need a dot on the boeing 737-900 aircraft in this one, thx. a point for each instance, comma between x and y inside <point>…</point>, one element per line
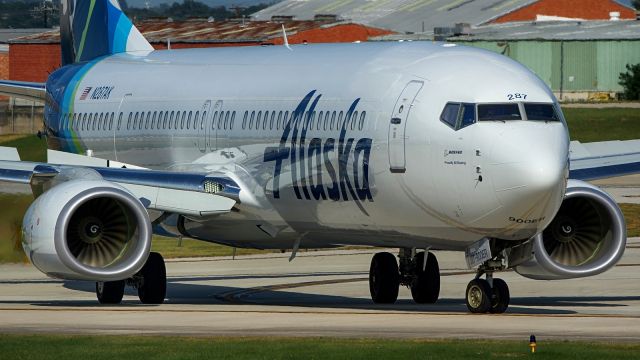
<point>416,146</point>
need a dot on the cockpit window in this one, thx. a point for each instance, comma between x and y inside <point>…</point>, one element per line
<point>458,115</point>
<point>468,115</point>
<point>500,112</point>
<point>541,112</point>
<point>450,114</point>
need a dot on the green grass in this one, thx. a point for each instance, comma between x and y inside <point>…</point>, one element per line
<point>11,213</point>
<point>632,216</point>
<point>29,147</point>
<point>155,347</point>
<point>170,248</point>
<point>590,125</point>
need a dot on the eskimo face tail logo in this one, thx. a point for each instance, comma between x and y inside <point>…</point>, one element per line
<point>347,183</point>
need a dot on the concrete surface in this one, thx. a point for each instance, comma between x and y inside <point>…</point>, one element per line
<point>325,294</point>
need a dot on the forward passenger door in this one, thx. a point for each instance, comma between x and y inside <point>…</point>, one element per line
<point>398,126</point>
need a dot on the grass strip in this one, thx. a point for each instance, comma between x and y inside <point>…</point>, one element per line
<point>591,125</point>
<point>163,347</point>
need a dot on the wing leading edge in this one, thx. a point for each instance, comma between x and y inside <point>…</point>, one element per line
<point>600,160</point>
<point>186,193</point>
<point>23,89</point>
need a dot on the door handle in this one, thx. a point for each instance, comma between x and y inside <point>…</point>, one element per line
<point>396,121</point>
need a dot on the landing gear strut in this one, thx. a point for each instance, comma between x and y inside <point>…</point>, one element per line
<point>151,283</point>
<point>421,275</point>
<point>490,295</point>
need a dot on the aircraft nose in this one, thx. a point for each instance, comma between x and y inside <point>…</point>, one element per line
<point>529,170</point>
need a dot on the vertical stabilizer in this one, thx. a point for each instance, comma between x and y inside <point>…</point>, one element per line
<point>93,28</point>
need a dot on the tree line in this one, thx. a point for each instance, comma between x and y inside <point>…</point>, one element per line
<point>40,14</point>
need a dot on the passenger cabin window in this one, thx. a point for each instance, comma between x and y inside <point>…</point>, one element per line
<point>498,112</point>
<point>541,112</point>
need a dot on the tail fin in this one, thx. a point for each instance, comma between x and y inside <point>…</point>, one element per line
<point>94,28</point>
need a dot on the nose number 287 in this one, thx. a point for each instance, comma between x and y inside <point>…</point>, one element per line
<point>517,96</point>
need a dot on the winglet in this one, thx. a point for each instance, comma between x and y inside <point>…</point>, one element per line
<point>284,37</point>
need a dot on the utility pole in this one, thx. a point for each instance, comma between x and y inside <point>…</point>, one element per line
<point>238,10</point>
<point>46,9</point>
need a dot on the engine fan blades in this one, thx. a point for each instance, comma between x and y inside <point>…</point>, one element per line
<point>99,231</point>
<point>575,235</point>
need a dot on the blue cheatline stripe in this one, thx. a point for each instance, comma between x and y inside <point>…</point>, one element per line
<point>605,171</point>
<point>119,28</point>
<point>73,142</point>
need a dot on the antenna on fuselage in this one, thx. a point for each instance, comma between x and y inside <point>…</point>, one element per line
<point>284,38</point>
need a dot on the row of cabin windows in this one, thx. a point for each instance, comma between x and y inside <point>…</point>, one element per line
<point>223,120</point>
<point>329,120</point>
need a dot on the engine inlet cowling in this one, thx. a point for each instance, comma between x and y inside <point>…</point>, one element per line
<point>586,237</point>
<point>87,230</point>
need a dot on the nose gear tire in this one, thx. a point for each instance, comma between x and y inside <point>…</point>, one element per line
<point>478,296</point>
<point>500,297</point>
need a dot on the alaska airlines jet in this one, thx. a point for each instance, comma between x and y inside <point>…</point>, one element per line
<point>416,146</point>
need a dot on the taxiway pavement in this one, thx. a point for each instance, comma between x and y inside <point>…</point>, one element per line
<point>325,293</point>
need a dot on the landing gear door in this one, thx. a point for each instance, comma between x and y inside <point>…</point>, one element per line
<point>203,136</point>
<point>398,126</point>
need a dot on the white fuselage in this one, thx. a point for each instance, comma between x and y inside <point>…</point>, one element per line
<point>392,175</point>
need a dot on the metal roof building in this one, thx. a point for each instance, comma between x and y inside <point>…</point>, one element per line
<point>578,59</point>
<point>33,57</point>
<point>417,16</point>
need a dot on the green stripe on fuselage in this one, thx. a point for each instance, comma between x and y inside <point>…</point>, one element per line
<point>75,139</point>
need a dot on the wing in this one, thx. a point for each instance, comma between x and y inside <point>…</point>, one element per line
<point>185,193</point>
<point>599,160</point>
<point>22,89</point>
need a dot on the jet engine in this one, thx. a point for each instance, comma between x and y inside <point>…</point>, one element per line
<point>87,230</point>
<point>587,237</point>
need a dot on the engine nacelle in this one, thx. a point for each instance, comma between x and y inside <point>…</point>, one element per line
<point>87,230</point>
<point>587,237</point>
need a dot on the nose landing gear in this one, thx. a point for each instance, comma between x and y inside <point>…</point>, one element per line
<point>490,295</point>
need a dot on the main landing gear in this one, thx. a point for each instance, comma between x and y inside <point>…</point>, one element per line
<point>490,295</point>
<point>151,282</point>
<point>420,274</point>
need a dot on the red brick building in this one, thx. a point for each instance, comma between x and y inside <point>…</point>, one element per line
<point>4,63</point>
<point>583,9</point>
<point>33,57</point>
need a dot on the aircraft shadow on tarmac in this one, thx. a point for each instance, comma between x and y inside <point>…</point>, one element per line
<point>185,291</point>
